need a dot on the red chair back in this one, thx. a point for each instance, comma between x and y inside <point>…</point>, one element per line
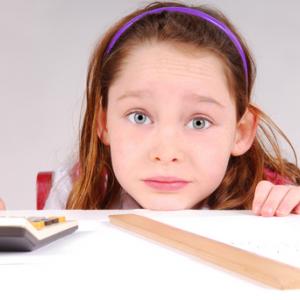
<point>43,186</point>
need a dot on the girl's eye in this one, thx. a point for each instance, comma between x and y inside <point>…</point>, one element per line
<point>200,123</point>
<point>138,117</point>
<point>197,123</point>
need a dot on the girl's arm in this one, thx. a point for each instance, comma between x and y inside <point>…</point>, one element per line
<point>276,200</point>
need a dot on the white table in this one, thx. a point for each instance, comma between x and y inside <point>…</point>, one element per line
<point>102,261</point>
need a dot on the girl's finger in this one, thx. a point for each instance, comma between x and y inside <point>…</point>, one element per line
<point>290,201</point>
<point>2,205</point>
<point>262,191</point>
<point>274,199</point>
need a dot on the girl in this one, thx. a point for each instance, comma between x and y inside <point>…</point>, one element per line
<point>169,122</point>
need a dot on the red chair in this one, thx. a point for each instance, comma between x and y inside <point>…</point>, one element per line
<point>44,182</point>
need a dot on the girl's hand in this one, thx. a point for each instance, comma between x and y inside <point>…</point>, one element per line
<point>2,205</point>
<point>276,200</point>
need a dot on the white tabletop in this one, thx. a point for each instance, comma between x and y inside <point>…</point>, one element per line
<point>102,261</point>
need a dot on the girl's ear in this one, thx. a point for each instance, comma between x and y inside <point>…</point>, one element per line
<point>102,131</point>
<point>245,133</point>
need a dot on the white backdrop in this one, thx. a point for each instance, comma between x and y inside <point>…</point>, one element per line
<point>44,52</point>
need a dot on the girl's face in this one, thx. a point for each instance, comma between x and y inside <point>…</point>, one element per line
<point>170,113</point>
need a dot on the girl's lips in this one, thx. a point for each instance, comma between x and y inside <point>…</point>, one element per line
<point>166,186</point>
<point>166,179</point>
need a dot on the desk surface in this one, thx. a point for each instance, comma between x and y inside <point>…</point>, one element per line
<point>102,261</point>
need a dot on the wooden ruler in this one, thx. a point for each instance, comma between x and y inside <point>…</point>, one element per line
<point>262,269</point>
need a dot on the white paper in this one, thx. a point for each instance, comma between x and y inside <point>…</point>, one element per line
<point>277,238</point>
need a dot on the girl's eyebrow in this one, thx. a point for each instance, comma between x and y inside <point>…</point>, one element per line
<point>144,94</point>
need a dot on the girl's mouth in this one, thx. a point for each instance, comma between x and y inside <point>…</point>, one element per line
<point>166,185</point>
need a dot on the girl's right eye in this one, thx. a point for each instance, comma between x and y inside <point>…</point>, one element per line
<point>138,117</point>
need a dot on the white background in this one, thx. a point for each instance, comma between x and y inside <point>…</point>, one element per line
<point>44,52</point>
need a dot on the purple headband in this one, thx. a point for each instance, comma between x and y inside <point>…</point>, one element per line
<point>190,11</point>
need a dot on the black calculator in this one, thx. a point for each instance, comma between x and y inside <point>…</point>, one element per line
<point>29,233</point>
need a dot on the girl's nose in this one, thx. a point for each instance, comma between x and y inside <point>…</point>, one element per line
<point>166,147</point>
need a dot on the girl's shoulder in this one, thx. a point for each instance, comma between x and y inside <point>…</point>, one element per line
<point>61,187</point>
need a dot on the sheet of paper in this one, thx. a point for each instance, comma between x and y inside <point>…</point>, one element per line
<point>275,237</point>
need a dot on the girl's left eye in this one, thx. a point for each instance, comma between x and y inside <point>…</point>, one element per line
<point>199,122</point>
<point>138,117</point>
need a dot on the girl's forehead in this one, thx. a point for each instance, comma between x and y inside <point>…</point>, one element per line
<point>165,69</point>
<point>160,57</point>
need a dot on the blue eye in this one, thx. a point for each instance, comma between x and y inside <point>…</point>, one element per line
<point>200,123</point>
<point>137,117</point>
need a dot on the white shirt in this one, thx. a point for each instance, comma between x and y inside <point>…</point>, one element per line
<point>61,188</point>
